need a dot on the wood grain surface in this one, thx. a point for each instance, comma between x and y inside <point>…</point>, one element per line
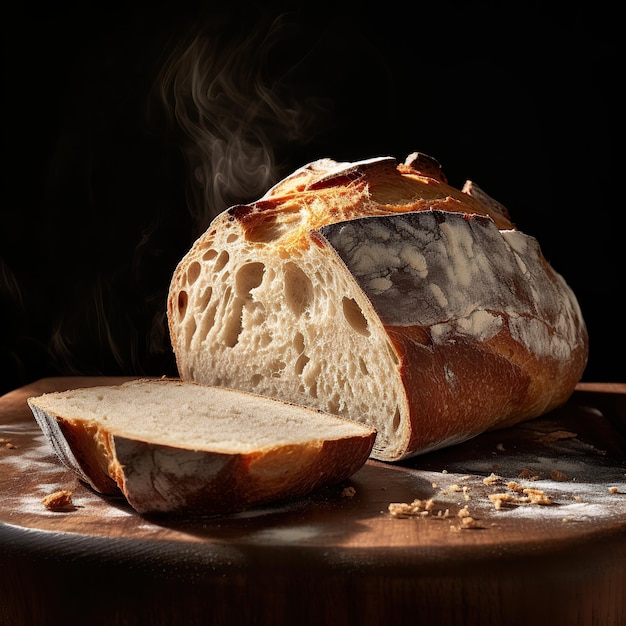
<point>338,556</point>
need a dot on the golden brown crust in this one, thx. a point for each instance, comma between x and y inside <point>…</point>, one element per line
<point>90,449</point>
<point>378,188</point>
<point>501,385</point>
<point>218,484</point>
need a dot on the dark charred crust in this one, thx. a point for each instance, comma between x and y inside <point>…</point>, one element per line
<point>240,212</point>
<point>251,217</point>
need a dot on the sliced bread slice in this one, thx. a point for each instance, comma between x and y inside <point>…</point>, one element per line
<point>184,448</point>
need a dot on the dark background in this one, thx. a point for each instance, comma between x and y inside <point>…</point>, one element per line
<point>103,141</point>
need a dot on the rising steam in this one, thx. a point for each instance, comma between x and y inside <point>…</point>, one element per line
<point>163,129</point>
<point>232,112</point>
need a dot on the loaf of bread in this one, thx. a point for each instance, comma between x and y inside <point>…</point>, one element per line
<point>376,291</point>
<point>187,449</point>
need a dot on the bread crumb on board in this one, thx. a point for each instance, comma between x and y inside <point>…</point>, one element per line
<point>7,444</point>
<point>491,479</point>
<point>530,496</point>
<point>528,474</point>
<point>425,508</point>
<point>557,435</point>
<point>467,521</point>
<point>559,476</point>
<point>417,508</point>
<point>59,501</point>
<point>515,494</point>
<point>348,492</point>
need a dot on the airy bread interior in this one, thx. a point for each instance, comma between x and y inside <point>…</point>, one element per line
<point>252,306</point>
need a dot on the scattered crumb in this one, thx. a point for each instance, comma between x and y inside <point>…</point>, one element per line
<point>464,512</point>
<point>559,476</point>
<point>454,488</point>
<point>528,474</point>
<point>500,498</point>
<point>468,522</point>
<point>491,479</point>
<point>8,443</point>
<point>536,496</point>
<point>417,508</point>
<point>500,447</point>
<point>423,508</point>
<point>530,496</point>
<point>558,434</point>
<point>403,509</point>
<point>348,492</point>
<point>506,493</point>
<point>59,501</point>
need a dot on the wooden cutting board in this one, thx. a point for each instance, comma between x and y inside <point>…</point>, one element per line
<point>476,549</point>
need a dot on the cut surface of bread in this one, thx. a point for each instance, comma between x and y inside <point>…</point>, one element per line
<point>376,291</point>
<point>184,448</point>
